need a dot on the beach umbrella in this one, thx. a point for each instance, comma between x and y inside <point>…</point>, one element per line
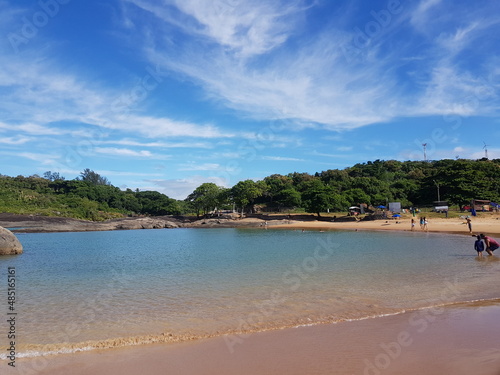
<point>380,206</point>
<point>396,215</point>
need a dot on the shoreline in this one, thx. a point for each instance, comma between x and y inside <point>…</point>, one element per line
<point>38,224</point>
<point>459,339</point>
<point>165,338</point>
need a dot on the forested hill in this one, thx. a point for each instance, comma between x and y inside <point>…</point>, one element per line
<point>413,183</point>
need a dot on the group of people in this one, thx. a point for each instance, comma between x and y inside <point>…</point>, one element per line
<point>423,223</point>
<point>485,243</point>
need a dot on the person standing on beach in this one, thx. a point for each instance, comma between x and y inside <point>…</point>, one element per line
<point>425,223</point>
<point>412,224</point>
<point>491,244</point>
<point>469,224</point>
<point>422,223</point>
<point>479,246</point>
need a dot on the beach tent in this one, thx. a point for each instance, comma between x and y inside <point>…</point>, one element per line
<point>380,206</point>
<point>396,215</point>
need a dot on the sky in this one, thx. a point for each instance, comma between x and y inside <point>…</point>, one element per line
<point>168,94</point>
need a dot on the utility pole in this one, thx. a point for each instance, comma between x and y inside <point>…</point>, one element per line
<point>437,185</point>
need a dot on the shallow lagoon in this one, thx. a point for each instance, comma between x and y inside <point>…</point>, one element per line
<point>75,287</point>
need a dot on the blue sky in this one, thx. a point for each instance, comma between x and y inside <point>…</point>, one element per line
<point>167,94</point>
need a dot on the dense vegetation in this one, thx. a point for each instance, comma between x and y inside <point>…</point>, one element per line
<point>412,183</point>
<point>90,196</point>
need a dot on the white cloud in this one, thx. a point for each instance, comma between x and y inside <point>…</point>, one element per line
<point>43,159</point>
<point>181,188</point>
<point>127,174</point>
<point>245,28</point>
<point>19,140</point>
<point>345,148</point>
<point>124,152</point>
<point>314,83</point>
<point>131,142</point>
<point>280,158</point>
<point>154,127</point>
<point>200,167</point>
<point>419,17</point>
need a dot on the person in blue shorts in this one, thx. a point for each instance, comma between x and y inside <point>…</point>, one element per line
<point>479,246</point>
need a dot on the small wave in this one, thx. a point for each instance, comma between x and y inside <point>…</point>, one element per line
<point>38,350</point>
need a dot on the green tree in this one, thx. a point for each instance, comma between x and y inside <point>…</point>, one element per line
<point>319,197</point>
<point>53,176</point>
<point>245,192</point>
<point>93,178</point>
<point>206,197</point>
<point>288,198</point>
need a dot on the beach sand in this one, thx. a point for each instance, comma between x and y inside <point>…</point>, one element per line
<point>459,339</point>
<point>489,225</point>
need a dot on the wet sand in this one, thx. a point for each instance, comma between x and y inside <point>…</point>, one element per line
<point>460,339</point>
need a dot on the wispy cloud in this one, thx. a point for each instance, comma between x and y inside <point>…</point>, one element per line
<point>15,140</point>
<point>420,15</point>
<point>281,158</point>
<point>130,142</point>
<point>313,82</point>
<point>246,28</point>
<point>181,188</point>
<point>125,152</point>
<point>200,167</point>
<point>44,159</point>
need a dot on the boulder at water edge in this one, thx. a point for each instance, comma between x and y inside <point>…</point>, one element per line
<point>9,244</point>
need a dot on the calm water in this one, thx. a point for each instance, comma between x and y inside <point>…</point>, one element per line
<point>77,290</point>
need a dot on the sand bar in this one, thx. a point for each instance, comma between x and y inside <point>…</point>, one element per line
<point>459,339</point>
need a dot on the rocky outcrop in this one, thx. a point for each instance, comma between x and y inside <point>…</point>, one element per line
<point>9,244</point>
<point>146,223</point>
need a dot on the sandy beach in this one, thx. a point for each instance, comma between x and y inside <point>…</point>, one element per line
<point>488,225</point>
<point>460,339</point>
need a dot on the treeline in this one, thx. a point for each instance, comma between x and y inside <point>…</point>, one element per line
<point>413,183</point>
<point>90,197</point>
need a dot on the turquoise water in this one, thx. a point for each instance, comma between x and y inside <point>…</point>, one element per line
<point>73,288</point>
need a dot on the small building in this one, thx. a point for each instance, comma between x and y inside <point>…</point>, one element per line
<point>480,205</point>
<point>395,207</point>
<point>440,206</point>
